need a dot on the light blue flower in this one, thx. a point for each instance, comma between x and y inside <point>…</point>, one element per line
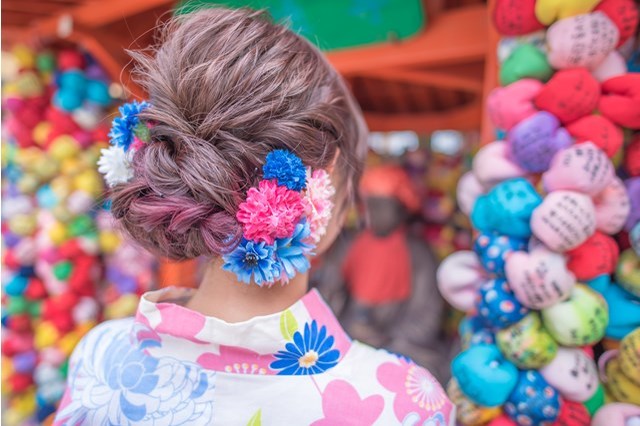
<point>116,381</point>
<point>286,168</point>
<point>310,353</point>
<point>122,127</point>
<point>292,252</point>
<point>253,260</point>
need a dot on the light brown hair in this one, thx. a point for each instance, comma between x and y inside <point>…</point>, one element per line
<point>226,88</point>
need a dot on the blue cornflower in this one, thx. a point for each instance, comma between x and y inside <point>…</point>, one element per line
<point>122,127</point>
<point>310,353</point>
<point>286,168</point>
<point>291,251</point>
<point>253,260</point>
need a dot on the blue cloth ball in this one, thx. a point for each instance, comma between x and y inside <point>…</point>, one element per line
<point>47,199</point>
<point>533,401</point>
<point>497,306</point>
<point>624,312</point>
<point>73,80</point>
<point>507,208</point>
<point>484,375</point>
<point>98,92</point>
<point>473,332</point>
<point>68,100</point>
<point>493,249</point>
<point>16,285</point>
<point>599,283</point>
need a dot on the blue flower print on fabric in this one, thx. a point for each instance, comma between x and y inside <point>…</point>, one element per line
<point>311,352</point>
<point>286,168</point>
<point>115,382</point>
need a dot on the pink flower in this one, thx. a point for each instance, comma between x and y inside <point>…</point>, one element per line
<point>318,204</point>
<point>269,212</point>
<point>236,360</point>
<point>340,401</point>
<point>418,394</point>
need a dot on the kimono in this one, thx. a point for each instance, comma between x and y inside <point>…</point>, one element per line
<point>173,366</point>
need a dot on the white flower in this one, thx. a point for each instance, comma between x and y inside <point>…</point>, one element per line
<point>115,165</point>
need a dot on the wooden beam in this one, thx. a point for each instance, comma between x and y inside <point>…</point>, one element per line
<point>490,77</point>
<point>466,117</point>
<point>428,78</point>
<point>455,36</point>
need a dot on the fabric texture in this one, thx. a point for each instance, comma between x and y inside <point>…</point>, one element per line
<point>173,366</point>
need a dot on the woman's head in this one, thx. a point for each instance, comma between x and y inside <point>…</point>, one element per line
<point>226,88</point>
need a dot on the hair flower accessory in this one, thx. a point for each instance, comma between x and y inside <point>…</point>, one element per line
<point>269,212</point>
<point>286,168</point>
<point>124,127</point>
<point>253,260</point>
<point>318,203</point>
<point>293,251</point>
<point>115,165</point>
<point>282,221</point>
<point>127,135</point>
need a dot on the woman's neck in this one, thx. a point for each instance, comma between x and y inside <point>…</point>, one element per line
<point>220,295</point>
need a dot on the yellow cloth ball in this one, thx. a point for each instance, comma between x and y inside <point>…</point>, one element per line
<point>24,404</point>
<point>46,335</point>
<point>58,233</point>
<point>91,155</point>
<point>62,213</point>
<point>29,85</point>
<point>23,224</point>
<point>13,417</point>
<point>41,132</point>
<point>620,387</point>
<point>28,184</point>
<point>90,182</point>
<point>109,242</point>
<point>124,306</point>
<point>549,11</point>
<point>25,57</point>
<point>72,166</point>
<point>46,168</point>
<point>61,186</point>
<point>64,147</point>
<point>27,157</point>
<point>69,342</point>
<point>630,355</point>
<point>7,369</point>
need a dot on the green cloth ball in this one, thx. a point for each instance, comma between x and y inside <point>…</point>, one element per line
<point>62,270</point>
<point>526,61</point>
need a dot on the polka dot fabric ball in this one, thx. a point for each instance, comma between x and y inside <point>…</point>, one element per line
<point>493,250</point>
<point>497,306</point>
<point>533,401</point>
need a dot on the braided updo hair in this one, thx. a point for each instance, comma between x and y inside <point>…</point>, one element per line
<point>226,87</point>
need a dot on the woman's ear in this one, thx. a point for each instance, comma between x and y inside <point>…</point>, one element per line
<point>332,166</point>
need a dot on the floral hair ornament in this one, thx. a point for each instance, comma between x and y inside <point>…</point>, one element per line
<point>127,135</point>
<point>282,221</point>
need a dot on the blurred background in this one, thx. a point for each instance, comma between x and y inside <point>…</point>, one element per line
<point>420,69</point>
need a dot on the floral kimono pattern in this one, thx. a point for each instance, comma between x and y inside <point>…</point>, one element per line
<point>173,366</point>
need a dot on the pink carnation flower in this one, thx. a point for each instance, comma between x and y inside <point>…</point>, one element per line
<point>270,211</point>
<point>318,204</point>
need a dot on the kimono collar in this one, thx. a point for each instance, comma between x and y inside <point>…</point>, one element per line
<point>306,338</point>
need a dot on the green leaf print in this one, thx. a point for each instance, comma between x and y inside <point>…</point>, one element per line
<point>288,325</point>
<point>256,420</point>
